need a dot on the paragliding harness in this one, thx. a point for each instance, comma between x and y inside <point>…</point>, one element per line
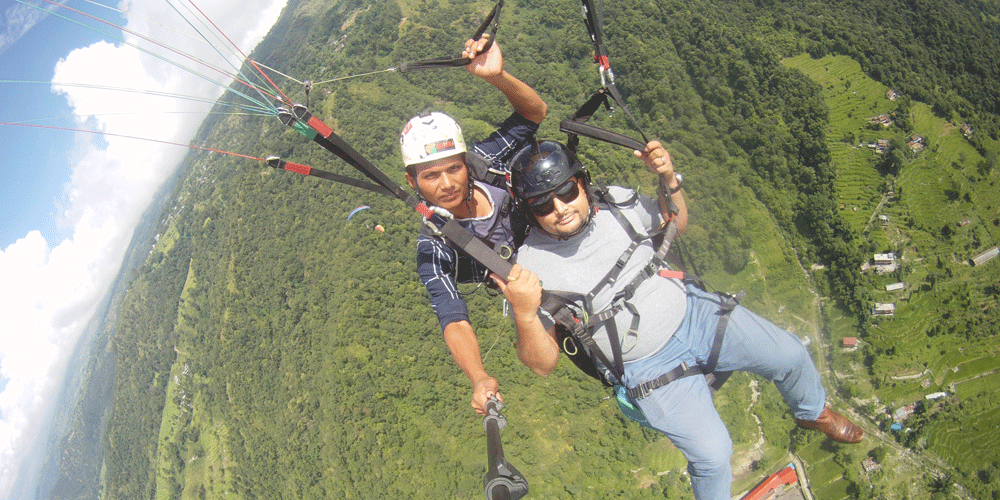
<point>575,325</point>
<point>300,119</point>
<point>512,224</point>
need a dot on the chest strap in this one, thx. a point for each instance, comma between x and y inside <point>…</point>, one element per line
<point>621,299</point>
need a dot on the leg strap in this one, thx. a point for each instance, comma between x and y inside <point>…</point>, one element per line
<point>716,379</point>
<point>683,370</point>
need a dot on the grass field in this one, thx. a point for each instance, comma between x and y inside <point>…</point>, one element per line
<point>190,463</point>
<point>853,99</point>
<point>826,478</point>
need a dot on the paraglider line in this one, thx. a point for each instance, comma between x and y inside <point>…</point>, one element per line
<point>260,110</point>
<point>188,56</point>
<point>213,45</point>
<point>287,100</point>
<point>96,132</point>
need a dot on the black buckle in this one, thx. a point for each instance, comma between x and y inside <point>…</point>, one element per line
<point>642,390</point>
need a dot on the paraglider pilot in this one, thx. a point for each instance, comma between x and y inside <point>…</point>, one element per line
<point>438,167</point>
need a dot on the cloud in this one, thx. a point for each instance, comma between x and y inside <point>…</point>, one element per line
<point>49,292</point>
<point>19,19</point>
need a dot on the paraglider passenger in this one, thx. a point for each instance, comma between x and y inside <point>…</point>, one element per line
<point>652,330</point>
<point>440,168</point>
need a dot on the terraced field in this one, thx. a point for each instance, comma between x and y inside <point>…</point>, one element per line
<point>826,478</point>
<point>853,99</point>
<point>945,210</point>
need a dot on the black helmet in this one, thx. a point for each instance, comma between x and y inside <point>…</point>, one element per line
<point>542,167</point>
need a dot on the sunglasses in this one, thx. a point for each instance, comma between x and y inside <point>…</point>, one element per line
<point>545,204</point>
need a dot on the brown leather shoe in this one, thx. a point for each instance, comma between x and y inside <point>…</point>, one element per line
<point>836,426</point>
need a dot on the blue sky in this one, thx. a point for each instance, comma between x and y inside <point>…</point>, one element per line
<point>33,177</point>
<point>70,201</point>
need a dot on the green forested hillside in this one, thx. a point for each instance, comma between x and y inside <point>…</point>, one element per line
<point>270,349</point>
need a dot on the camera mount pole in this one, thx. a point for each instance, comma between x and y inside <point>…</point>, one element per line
<point>502,481</point>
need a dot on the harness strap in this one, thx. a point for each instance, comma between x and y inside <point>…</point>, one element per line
<point>715,379</point>
<point>556,304</point>
<point>612,276</point>
<point>683,370</point>
<point>726,308</point>
<point>621,299</point>
<point>305,123</point>
<point>454,62</point>
<point>594,20</point>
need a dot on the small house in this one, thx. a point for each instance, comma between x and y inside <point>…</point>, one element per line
<point>850,342</point>
<point>895,287</point>
<point>869,465</point>
<point>885,262</point>
<point>882,259</point>
<point>985,256</point>
<point>904,412</point>
<point>883,309</point>
<point>936,395</point>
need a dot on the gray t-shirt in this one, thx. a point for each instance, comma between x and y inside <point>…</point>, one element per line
<point>576,265</point>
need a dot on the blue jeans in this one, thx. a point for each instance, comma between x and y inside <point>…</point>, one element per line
<point>684,410</point>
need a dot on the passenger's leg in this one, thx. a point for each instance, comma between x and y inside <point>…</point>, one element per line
<point>756,345</point>
<point>684,411</point>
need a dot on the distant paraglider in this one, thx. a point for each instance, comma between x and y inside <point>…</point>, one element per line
<point>378,227</point>
<point>356,210</point>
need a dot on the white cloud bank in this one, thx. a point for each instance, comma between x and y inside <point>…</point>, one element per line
<point>48,293</point>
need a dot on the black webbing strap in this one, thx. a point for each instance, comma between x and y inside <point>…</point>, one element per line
<point>593,17</point>
<point>454,62</point>
<point>475,247</point>
<point>578,126</point>
<point>729,302</point>
<point>683,370</point>
<point>561,308</point>
<point>278,163</point>
<point>715,378</point>
<point>310,126</point>
<point>651,267</point>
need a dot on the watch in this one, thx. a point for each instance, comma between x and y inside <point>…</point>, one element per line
<point>667,190</point>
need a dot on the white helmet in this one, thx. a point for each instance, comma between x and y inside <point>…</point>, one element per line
<point>430,136</point>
